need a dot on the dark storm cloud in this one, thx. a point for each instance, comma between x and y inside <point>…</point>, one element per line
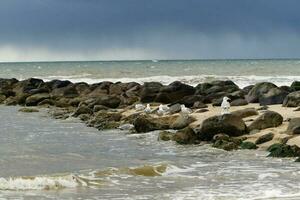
<point>110,29</point>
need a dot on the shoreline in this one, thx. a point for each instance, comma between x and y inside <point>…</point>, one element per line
<point>262,115</point>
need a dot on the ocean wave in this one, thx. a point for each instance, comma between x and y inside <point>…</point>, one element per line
<point>39,183</point>
<point>241,81</point>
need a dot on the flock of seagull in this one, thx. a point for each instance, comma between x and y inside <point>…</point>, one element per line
<point>164,109</point>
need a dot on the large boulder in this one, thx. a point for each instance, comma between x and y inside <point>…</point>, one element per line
<point>223,141</point>
<point>266,93</point>
<point>292,99</point>
<point>264,138</point>
<point>189,101</point>
<point>267,120</point>
<point>174,92</point>
<point>105,120</point>
<point>247,112</point>
<point>82,110</point>
<point>145,123</point>
<point>228,124</point>
<point>68,91</point>
<point>149,91</point>
<point>295,86</point>
<point>214,91</point>
<point>54,84</point>
<point>182,122</point>
<point>227,86</point>
<point>273,96</point>
<point>186,136</point>
<point>23,89</point>
<point>6,86</point>
<point>283,150</point>
<point>109,101</point>
<point>239,102</point>
<point>294,126</point>
<point>33,100</point>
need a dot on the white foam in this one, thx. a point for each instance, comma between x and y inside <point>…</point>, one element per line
<point>241,81</point>
<point>39,183</point>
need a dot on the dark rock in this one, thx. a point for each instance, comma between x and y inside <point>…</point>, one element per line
<point>292,99</point>
<point>149,91</point>
<point>216,86</point>
<point>185,136</point>
<point>247,89</point>
<point>228,124</point>
<point>267,120</point>
<point>46,102</point>
<point>295,86</point>
<point>106,120</point>
<point>189,101</point>
<point>97,108</point>
<point>182,122</point>
<point>199,104</point>
<point>223,141</point>
<point>108,101</point>
<point>283,150</point>
<point>248,145</point>
<point>258,91</point>
<point>66,92</point>
<point>247,112</point>
<point>176,91</point>
<point>54,84</point>
<point>294,126</point>
<point>2,98</point>
<point>84,117</point>
<point>265,138</point>
<point>62,102</point>
<point>165,135</point>
<point>239,102</point>
<point>145,123</point>
<point>33,100</point>
<point>10,101</point>
<point>273,96</point>
<point>82,110</point>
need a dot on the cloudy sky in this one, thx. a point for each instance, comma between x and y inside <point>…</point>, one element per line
<point>35,30</point>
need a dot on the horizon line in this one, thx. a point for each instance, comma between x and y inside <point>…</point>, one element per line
<point>139,60</point>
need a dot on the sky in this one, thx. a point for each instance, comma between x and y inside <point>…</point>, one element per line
<point>57,30</point>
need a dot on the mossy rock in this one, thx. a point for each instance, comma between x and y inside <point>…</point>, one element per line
<point>248,145</point>
<point>165,135</point>
<point>28,110</point>
<point>283,150</point>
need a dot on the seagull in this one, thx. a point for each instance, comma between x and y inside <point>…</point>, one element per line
<point>225,106</point>
<point>148,109</point>
<point>185,110</point>
<point>162,109</point>
<point>139,107</point>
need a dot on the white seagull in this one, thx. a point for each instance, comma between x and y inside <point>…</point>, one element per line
<point>225,106</point>
<point>148,109</point>
<point>162,109</point>
<point>185,110</point>
<point>139,107</point>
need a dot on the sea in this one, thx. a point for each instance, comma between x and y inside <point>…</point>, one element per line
<point>46,158</point>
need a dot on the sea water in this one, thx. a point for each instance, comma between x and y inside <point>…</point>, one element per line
<point>45,158</point>
<point>193,72</point>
